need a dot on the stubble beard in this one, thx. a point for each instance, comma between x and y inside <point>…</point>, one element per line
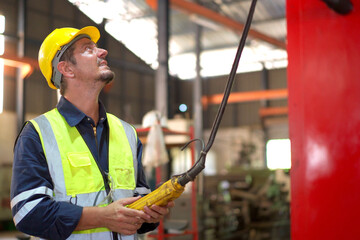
<point>107,76</point>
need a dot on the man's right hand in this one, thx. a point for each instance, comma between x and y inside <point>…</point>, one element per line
<point>115,216</point>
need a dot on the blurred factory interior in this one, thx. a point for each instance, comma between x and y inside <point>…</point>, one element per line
<point>297,82</point>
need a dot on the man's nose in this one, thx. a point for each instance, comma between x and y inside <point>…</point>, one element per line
<point>102,53</point>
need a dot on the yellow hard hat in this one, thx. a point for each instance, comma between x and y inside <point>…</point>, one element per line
<point>55,45</point>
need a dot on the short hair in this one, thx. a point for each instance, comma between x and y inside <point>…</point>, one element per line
<point>68,56</point>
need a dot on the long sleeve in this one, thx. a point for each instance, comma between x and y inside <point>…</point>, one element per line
<point>33,208</point>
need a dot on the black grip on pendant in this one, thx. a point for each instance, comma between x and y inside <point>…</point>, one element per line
<point>193,172</point>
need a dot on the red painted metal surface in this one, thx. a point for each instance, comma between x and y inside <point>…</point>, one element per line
<point>324,120</point>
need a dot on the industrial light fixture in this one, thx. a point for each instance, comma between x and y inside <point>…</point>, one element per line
<point>183,107</point>
<point>2,50</point>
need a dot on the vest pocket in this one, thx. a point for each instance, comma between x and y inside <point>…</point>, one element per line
<point>81,179</point>
<point>125,178</point>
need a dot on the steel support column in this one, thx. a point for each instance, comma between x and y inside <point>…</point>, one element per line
<point>265,85</point>
<point>162,74</point>
<point>198,118</point>
<point>197,91</point>
<point>20,112</point>
<point>162,79</point>
<point>264,104</point>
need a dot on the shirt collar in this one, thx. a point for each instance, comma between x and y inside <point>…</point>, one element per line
<point>73,115</point>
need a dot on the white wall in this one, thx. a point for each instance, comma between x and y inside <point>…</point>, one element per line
<point>228,144</point>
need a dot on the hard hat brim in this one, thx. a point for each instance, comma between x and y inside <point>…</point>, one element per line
<point>93,33</point>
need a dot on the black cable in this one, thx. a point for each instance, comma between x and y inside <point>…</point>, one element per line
<point>200,163</point>
<point>231,78</point>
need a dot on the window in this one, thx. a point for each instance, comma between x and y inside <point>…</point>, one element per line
<point>278,154</point>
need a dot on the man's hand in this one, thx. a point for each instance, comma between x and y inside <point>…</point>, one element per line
<point>156,213</point>
<point>124,220</point>
<point>118,218</point>
<point>115,216</point>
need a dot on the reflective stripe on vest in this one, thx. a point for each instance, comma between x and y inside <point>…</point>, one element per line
<point>74,171</point>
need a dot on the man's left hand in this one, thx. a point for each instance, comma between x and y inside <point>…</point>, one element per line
<point>157,213</point>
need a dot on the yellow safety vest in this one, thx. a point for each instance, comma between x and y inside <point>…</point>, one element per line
<point>74,171</point>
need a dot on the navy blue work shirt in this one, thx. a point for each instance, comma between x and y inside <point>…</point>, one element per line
<point>50,219</point>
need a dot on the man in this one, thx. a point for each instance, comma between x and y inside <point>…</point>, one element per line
<point>76,167</point>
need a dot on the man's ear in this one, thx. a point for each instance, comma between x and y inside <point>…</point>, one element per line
<point>65,69</point>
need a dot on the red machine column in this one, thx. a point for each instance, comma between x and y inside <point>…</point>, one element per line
<point>324,120</point>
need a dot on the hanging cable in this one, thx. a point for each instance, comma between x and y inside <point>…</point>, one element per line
<point>200,163</point>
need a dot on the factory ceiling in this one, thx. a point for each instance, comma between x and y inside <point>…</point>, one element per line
<point>134,23</point>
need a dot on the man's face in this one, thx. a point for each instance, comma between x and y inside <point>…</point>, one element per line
<point>90,62</point>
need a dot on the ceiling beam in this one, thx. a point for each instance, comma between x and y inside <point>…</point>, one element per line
<point>191,49</point>
<point>193,8</point>
<point>237,97</point>
<point>273,111</point>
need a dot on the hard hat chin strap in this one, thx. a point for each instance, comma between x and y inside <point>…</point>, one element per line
<point>56,75</point>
